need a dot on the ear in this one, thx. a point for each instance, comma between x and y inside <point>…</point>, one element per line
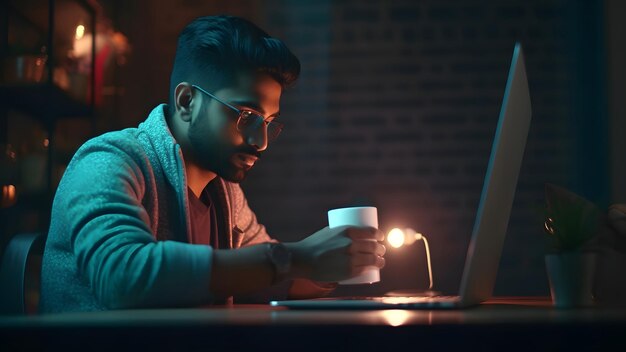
<point>183,98</point>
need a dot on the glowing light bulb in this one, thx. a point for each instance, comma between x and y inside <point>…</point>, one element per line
<point>395,237</point>
<point>80,31</point>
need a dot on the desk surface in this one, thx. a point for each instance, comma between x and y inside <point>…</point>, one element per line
<point>495,311</point>
<point>499,323</point>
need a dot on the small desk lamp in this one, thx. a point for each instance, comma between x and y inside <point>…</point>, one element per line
<point>397,238</point>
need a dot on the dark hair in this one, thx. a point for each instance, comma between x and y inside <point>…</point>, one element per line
<point>212,49</point>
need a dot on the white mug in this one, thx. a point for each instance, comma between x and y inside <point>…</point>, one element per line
<point>361,217</point>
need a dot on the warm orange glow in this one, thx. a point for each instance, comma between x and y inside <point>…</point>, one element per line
<point>410,236</point>
<point>8,195</point>
<point>395,317</point>
<point>80,32</point>
<point>46,143</point>
<point>395,237</point>
<point>9,191</point>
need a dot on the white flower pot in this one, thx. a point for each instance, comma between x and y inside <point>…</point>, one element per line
<point>571,277</point>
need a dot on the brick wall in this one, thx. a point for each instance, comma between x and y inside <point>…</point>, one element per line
<point>396,107</point>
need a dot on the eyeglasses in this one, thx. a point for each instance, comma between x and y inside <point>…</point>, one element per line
<point>249,119</point>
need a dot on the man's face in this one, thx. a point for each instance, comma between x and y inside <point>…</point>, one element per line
<point>217,144</point>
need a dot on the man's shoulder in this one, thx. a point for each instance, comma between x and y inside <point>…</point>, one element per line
<point>134,139</point>
<point>144,148</point>
<point>125,141</point>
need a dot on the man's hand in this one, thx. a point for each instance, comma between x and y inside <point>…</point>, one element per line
<point>337,254</point>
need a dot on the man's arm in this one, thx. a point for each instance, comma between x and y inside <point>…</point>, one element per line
<point>328,255</point>
<point>240,271</point>
<point>255,233</point>
<point>99,217</point>
<point>247,269</point>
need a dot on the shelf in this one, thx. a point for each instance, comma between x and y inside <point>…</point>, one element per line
<point>48,29</point>
<point>46,102</point>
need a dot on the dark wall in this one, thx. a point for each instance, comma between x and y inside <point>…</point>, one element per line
<point>397,106</point>
<point>616,48</point>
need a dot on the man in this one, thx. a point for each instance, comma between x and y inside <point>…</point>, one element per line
<point>154,216</point>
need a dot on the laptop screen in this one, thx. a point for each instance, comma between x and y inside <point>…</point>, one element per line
<point>496,200</point>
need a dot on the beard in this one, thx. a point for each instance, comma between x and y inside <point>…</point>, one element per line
<point>213,152</point>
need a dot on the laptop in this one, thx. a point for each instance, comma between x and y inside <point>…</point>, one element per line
<point>492,217</point>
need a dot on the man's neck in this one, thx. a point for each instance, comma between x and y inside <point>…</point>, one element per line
<point>197,178</point>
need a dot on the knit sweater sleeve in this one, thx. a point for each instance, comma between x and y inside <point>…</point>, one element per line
<point>110,234</point>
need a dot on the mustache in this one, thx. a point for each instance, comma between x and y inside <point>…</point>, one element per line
<point>246,149</point>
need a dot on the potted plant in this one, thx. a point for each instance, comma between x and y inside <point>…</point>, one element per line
<point>572,224</point>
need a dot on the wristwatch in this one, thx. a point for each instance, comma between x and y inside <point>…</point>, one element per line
<point>280,258</point>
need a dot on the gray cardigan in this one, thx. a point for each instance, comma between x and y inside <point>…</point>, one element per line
<point>120,230</point>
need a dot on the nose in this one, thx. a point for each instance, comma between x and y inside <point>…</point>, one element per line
<point>257,137</point>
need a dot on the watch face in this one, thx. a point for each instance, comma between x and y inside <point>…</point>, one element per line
<point>281,258</point>
<point>281,253</point>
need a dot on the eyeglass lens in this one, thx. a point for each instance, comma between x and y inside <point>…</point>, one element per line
<point>249,120</point>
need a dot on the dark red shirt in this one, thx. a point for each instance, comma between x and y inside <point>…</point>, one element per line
<point>204,218</point>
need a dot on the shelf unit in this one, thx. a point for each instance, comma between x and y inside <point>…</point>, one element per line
<point>46,29</point>
<point>22,20</point>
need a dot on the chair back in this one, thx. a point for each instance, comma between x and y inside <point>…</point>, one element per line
<point>20,270</point>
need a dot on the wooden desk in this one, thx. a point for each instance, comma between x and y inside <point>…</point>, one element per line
<point>521,323</point>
